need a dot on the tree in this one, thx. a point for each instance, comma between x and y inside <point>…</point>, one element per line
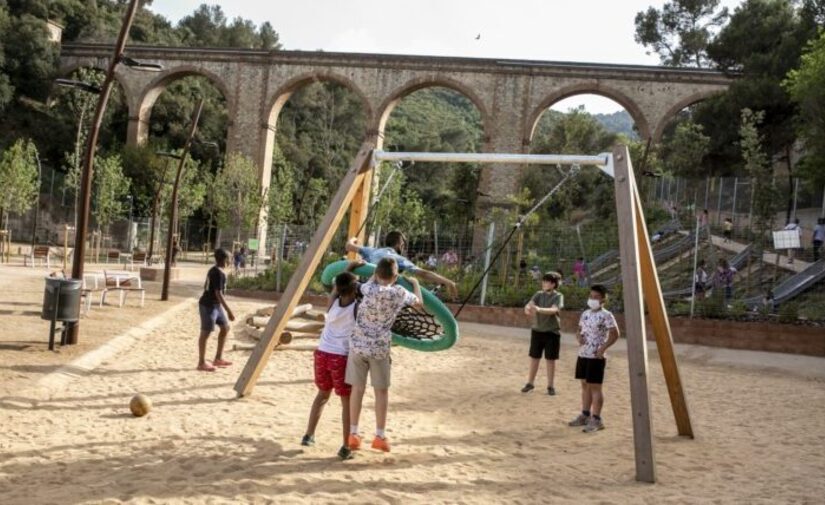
<point>575,132</point>
<point>758,167</point>
<point>191,190</point>
<point>400,207</point>
<point>28,58</point>
<point>238,182</point>
<point>684,151</point>
<point>6,88</point>
<point>806,86</point>
<point>681,31</point>
<point>281,192</point>
<point>110,190</point>
<point>763,41</point>
<point>269,37</point>
<point>18,178</point>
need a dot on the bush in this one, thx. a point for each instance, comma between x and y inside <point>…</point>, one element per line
<point>789,313</point>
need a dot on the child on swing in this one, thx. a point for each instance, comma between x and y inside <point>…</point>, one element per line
<point>331,356</point>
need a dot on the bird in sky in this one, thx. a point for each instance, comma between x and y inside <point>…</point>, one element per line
<point>478,37</point>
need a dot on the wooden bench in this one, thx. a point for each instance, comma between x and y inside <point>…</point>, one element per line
<point>123,283</point>
<point>138,258</point>
<point>38,252</point>
<point>113,254</point>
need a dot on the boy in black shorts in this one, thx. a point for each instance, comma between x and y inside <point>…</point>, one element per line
<point>597,332</point>
<point>544,337</point>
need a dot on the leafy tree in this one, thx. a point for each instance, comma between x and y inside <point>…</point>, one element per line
<point>764,41</point>
<point>400,207</point>
<point>681,31</point>
<point>191,190</point>
<point>242,200</point>
<point>806,86</point>
<point>18,178</point>
<point>758,167</point>
<point>684,151</point>
<point>6,88</point>
<point>28,57</point>
<point>576,132</point>
<point>111,187</point>
<point>281,192</point>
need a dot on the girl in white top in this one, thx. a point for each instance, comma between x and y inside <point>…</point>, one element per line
<point>330,360</point>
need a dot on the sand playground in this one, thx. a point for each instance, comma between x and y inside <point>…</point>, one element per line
<point>461,430</point>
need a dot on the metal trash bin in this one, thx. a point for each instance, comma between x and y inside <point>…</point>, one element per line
<point>61,302</point>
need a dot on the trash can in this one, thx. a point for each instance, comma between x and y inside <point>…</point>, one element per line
<point>61,300</point>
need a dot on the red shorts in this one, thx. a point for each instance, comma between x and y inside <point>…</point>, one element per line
<point>329,372</point>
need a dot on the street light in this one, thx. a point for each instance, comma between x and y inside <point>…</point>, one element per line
<point>140,65</point>
<point>129,232</point>
<point>81,85</point>
<point>173,207</point>
<point>85,194</point>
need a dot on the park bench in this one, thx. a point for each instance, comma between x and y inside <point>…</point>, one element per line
<point>113,255</point>
<point>38,252</point>
<point>124,283</point>
<point>138,258</point>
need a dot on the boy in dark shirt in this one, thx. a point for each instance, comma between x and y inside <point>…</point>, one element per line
<point>214,311</point>
<point>545,336</point>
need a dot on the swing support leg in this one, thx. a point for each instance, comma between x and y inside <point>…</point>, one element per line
<point>299,281</point>
<point>359,211</point>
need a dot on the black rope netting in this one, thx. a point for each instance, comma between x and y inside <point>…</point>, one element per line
<point>417,324</point>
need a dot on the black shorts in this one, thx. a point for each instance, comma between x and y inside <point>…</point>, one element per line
<point>544,341</point>
<point>591,370</point>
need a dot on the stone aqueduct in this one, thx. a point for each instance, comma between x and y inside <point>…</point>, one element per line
<point>510,95</point>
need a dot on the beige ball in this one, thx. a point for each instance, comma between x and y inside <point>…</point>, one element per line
<point>140,405</point>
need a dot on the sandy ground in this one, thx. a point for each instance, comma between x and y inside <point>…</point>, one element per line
<point>462,432</point>
<point>24,354</point>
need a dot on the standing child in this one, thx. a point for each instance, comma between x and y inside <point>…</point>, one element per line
<point>370,346</point>
<point>331,356</point>
<point>214,311</point>
<point>597,332</point>
<point>727,229</point>
<point>545,336</point>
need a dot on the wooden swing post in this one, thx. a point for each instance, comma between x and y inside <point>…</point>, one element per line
<point>353,180</point>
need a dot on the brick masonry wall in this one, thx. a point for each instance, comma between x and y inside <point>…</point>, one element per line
<point>756,336</point>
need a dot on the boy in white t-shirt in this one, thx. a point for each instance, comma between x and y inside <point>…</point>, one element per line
<point>331,356</point>
<point>597,331</point>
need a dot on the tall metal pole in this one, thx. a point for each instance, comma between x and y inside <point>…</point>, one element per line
<point>173,210</point>
<point>719,202</point>
<point>37,199</point>
<point>795,195</point>
<point>695,265</point>
<point>490,235</point>
<point>85,197</point>
<point>733,205</point>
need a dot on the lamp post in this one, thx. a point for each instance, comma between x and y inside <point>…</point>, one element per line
<point>89,154</point>
<point>37,199</point>
<point>129,231</point>
<point>173,207</point>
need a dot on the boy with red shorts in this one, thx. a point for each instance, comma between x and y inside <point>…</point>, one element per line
<point>331,355</point>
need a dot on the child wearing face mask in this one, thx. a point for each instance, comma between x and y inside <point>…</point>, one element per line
<point>596,333</point>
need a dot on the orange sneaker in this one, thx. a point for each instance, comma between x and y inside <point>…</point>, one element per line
<point>382,444</point>
<point>354,442</point>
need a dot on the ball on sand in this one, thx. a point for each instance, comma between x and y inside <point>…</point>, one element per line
<point>140,405</point>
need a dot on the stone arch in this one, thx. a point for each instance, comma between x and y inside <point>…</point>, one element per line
<point>692,99</point>
<point>139,121</point>
<point>386,108</point>
<point>587,88</point>
<point>285,91</point>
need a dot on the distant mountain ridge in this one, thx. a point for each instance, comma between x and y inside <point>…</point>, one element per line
<point>618,122</point>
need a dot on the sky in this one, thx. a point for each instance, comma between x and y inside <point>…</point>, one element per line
<point>554,30</point>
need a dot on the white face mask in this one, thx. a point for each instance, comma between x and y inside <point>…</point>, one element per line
<point>593,304</point>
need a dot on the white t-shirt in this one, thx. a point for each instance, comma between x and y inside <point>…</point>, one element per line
<point>594,326</point>
<point>338,329</point>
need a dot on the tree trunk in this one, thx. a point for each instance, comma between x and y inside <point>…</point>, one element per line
<point>790,185</point>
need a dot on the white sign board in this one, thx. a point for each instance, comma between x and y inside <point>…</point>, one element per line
<point>786,239</point>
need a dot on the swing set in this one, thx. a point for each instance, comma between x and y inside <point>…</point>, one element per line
<point>639,278</point>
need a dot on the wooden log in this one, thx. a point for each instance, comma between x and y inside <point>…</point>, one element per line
<point>262,316</point>
<point>243,347</point>
<point>317,315</point>
<point>255,334</point>
<point>298,347</point>
<point>304,326</point>
<point>304,335</point>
